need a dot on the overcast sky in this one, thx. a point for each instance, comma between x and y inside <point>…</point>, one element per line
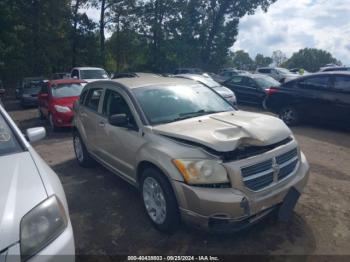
<point>293,24</point>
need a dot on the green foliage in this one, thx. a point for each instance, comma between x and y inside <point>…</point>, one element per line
<point>262,61</point>
<point>241,60</point>
<point>311,59</point>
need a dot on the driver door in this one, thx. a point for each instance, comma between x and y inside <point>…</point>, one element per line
<point>117,146</point>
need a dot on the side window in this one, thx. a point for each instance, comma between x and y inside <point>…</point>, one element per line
<point>236,80</point>
<point>83,96</point>
<point>75,73</point>
<point>265,71</point>
<point>342,83</point>
<point>115,104</point>
<point>317,82</point>
<point>249,82</point>
<point>93,98</point>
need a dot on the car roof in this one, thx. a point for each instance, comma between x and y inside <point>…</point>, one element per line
<point>66,81</point>
<point>143,81</point>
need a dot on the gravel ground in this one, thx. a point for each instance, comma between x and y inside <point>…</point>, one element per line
<point>108,217</point>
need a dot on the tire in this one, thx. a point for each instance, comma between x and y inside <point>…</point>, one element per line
<point>290,115</point>
<point>81,154</point>
<point>159,200</point>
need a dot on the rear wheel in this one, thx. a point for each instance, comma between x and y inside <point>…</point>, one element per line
<point>290,115</point>
<point>159,200</point>
<point>82,155</point>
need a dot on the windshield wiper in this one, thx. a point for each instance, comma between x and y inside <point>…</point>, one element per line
<point>188,115</point>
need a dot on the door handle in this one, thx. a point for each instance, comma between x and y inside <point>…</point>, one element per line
<point>101,124</point>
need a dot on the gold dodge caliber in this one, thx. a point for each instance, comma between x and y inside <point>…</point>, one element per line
<point>193,156</point>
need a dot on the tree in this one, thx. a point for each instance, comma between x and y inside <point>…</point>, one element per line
<point>241,60</point>
<point>278,57</point>
<point>311,59</point>
<point>262,61</point>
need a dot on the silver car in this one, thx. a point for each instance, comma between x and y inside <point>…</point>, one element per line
<point>209,82</point>
<point>34,220</point>
<point>192,155</point>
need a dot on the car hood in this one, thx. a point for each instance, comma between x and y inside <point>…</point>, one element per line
<point>226,131</point>
<point>66,101</point>
<point>21,189</point>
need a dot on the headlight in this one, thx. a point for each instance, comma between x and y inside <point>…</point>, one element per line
<point>62,109</point>
<point>41,225</point>
<point>201,171</point>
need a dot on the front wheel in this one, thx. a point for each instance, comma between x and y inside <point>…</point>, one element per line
<point>159,200</point>
<point>82,155</point>
<point>290,115</point>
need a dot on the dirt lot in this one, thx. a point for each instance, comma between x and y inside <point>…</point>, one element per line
<point>108,218</point>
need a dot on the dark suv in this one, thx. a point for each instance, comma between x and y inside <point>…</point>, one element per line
<point>320,96</point>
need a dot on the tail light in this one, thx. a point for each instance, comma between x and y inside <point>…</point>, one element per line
<point>271,90</point>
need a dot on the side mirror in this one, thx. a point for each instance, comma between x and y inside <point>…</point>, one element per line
<point>2,91</point>
<point>35,134</point>
<point>120,120</point>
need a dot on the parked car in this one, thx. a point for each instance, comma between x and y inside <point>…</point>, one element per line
<point>89,74</point>
<point>251,88</point>
<point>321,96</point>
<point>209,82</point>
<point>196,71</point>
<point>280,74</point>
<point>131,75</point>
<point>30,91</point>
<point>34,217</point>
<point>56,101</point>
<point>335,68</point>
<point>190,153</point>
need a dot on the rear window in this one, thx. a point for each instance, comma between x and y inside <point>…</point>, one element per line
<point>93,74</point>
<point>8,141</point>
<point>266,82</point>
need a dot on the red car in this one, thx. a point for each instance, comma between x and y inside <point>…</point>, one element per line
<point>56,101</point>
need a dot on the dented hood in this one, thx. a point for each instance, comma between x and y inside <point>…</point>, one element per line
<point>226,131</point>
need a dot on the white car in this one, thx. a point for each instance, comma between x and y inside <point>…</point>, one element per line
<point>280,74</point>
<point>34,218</point>
<point>89,74</point>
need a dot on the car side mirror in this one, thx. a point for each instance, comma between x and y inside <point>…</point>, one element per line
<point>2,91</point>
<point>120,120</point>
<point>35,134</point>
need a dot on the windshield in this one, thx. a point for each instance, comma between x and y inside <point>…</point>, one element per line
<point>266,82</point>
<point>67,90</point>
<point>93,74</point>
<point>167,104</point>
<point>283,71</point>
<point>8,141</point>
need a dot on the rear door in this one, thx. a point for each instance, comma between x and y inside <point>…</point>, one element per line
<point>88,115</point>
<point>341,85</point>
<point>315,96</point>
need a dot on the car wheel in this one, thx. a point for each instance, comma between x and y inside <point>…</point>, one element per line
<point>159,200</point>
<point>290,115</point>
<point>82,155</point>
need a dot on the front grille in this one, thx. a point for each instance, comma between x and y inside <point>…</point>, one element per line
<point>261,175</point>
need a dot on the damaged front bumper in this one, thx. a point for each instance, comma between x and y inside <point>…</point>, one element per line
<point>232,208</point>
